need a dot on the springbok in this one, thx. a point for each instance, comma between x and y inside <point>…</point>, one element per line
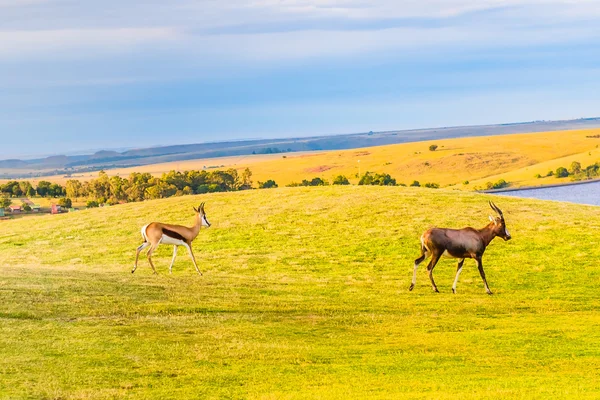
<point>460,243</point>
<point>156,233</point>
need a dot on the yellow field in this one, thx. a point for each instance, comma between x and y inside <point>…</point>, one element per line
<point>516,158</point>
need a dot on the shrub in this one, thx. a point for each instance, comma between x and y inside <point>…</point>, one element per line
<point>92,204</point>
<point>433,147</point>
<point>65,202</point>
<point>432,185</point>
<point>267,185</point>
<point>377,179</point>
<point>317,182</point>
<point>550,173</point>
<point>538,176</point>
<point>415,183</point>
<point>26,207</point>
<point>340,180</point>
<point>498,185</point>
<point>465,182</point>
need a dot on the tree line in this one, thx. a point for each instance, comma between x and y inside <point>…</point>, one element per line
<point>143,186</point>
<point>137,187</point>
<point>575,171</point>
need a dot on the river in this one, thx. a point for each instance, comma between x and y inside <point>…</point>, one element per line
<point>586,193</point>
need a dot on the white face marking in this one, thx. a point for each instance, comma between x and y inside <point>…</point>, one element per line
<point>205,221</point>
<point>506,231</point>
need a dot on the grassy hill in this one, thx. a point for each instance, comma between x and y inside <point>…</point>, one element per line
<point>517,158</point>
<point>304,295</point>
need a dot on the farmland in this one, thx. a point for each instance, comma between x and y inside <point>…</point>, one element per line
<point>304,295</point>
<point>516,158</point>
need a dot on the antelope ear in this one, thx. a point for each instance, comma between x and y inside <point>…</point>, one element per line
<point>493,220</point>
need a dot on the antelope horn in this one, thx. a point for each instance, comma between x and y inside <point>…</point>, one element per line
<point>495,208</point>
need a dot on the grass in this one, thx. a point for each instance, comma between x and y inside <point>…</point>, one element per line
<point>515,158</point>
<point>304,295</point>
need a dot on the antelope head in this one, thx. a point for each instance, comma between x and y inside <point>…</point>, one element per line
<point>202,215</point>
<point>499,223</point>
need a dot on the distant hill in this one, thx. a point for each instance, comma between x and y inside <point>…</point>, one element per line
<point>61,164</point>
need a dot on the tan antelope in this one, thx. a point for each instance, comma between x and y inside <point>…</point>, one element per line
<point>157,233</point>
<point>460,243</point>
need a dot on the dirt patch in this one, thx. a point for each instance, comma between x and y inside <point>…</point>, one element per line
<point>362,153</point>
<point>320,168</point>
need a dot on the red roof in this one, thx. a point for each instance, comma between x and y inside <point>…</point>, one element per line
<point>13,208</point>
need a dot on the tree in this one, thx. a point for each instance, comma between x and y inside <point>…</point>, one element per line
<point>317,182</point>
<point>26,188</point>
<point>12,189</point>
<point>246,182</point>
<point>575,168</point>
<point>267,185</point>
<point>55,190</point>
<point>561,172</point>
<point>340,180</point>
<point>433,147</point>
<point>26,207</point>
<point>92,204</point>
<point>74,188</point>
<point>5,201</point>
<point>65,202</point>
<point>415,183</point>
<point>42,188</point>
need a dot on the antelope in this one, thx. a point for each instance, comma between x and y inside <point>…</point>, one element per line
<point>460,243</point>
<point>157,233</point>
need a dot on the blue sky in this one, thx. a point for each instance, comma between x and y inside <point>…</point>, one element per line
<point>78,75</point>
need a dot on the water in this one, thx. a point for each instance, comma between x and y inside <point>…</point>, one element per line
<point>588,193</point>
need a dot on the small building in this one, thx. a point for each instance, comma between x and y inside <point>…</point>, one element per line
<point>1,212</point>
<point>55,209</point>
<point>36,208</point>
<point>15,209</point>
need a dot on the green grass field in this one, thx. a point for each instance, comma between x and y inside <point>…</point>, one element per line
<point>304,295</point>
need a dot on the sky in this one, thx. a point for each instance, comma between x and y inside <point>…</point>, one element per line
<point>80,75</point>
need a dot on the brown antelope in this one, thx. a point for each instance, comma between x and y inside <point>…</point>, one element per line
<point>460,243</point>
<point>157,233</point>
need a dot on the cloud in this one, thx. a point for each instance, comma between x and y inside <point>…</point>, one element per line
<point>42,43</point>
<point>283,29</point>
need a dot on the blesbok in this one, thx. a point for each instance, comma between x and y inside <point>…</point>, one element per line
<point>460,243</point>
<point>157,233</point>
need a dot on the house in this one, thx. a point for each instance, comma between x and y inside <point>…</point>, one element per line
<point>15,209</point>
<point>36,208</point>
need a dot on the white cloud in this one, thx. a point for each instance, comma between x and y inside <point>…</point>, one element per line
<point>46,42</point>
<point>213,33</point>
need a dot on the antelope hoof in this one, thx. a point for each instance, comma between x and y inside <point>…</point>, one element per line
<point>436,290</point>
<point>412,286</point>
<point>490,292</point>
<point>453,290</point>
